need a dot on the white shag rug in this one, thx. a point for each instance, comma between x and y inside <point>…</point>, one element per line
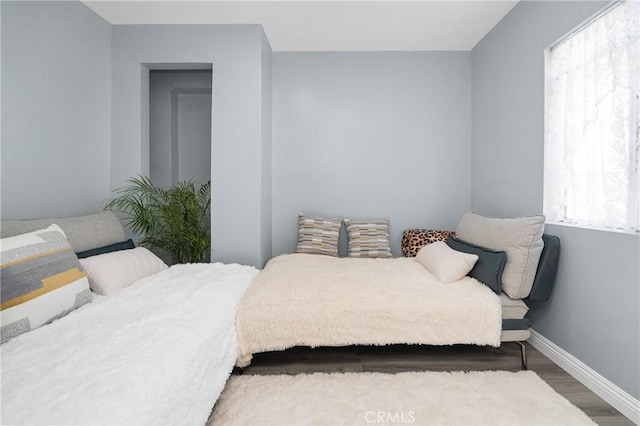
<point>420,398</point>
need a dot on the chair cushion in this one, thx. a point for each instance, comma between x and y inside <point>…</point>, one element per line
<point>520,238</point>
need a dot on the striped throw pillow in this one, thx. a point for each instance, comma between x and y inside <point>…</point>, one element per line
<point>368,238</point>
<point>317,235</point>
<point>41,280</point>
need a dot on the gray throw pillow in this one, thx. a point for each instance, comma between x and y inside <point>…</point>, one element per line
<point>489,267</point>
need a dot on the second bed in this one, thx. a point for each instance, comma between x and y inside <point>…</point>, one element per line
<point>315,300</point>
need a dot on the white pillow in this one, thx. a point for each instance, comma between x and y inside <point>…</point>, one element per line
<point>114,271</point>
<point>447,264</point>
<point>521,238</point>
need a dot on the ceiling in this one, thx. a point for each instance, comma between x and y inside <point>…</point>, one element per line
<point>313,26</point>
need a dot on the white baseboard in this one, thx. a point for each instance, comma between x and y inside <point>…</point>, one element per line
<point>616,397</point>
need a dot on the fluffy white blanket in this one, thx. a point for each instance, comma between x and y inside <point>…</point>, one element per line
<point>312,300</point>
<point>158,352</point>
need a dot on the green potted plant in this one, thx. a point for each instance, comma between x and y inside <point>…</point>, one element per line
<point>174,220</point>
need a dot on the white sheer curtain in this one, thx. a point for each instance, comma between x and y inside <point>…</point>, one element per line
<point>592,123</point>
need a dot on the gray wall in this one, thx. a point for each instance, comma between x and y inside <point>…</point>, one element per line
<point>237,154</point>
<point>267,78</point>
<point>180,99</point>
<point>370,135</point>
<point>194,136</point>
<point>594,311</point>
<point>56,97</point>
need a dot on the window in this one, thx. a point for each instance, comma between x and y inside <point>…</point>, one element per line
<point>592,123</point>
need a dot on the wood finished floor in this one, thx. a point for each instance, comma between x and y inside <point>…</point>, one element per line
<point>392,359</point>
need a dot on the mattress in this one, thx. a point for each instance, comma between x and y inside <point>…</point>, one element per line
<point>157,352</point>
<point>314,300</point>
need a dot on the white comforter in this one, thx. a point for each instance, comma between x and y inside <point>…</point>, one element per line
<point>312,300</point>
<point>158,352</point>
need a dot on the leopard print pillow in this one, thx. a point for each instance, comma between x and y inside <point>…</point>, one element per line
<point>414,239</point>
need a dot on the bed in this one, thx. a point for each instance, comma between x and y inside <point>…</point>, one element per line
<point>319,300</point>
<point>156,352</point>
<point>315,300</point>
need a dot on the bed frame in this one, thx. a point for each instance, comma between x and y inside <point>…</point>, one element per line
<point>541,291</point>
<point>518,330</point>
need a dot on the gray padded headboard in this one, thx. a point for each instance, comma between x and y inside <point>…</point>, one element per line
<point>83,232</point>
<point>547,270</point>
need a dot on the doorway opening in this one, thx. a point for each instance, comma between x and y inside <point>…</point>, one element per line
<point>179,126</point>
